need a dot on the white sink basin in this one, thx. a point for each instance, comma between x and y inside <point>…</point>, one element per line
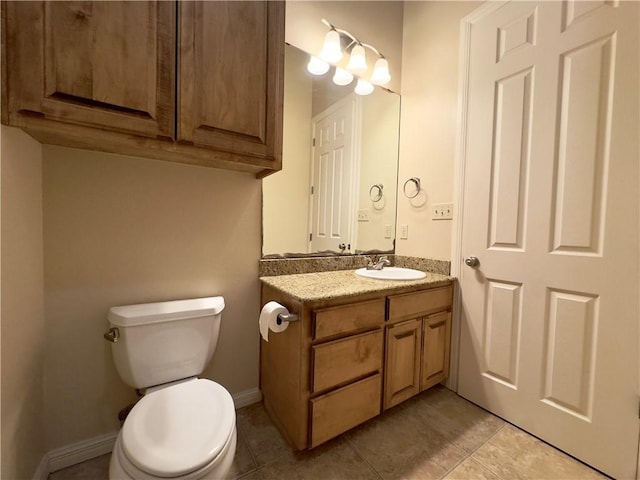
<point>392,273</point>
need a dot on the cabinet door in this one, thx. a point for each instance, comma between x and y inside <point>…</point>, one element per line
<point>109,65</point>
<point>402,368</point>
<point>436,340</point>
<point>231,68</point>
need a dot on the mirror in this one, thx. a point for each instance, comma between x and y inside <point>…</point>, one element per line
<point>339,194</point>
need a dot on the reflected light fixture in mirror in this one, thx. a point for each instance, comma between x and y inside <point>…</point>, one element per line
<point>363,87</point>
<point>332,53</point>
<point>342,77</point>
<point>317,66</point>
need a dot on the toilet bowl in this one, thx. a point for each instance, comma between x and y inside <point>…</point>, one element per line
<point>183,427</point>
<point>182,431</point>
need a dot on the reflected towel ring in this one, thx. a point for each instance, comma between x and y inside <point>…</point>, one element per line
<point>416,182</point>
<point>376,196</point>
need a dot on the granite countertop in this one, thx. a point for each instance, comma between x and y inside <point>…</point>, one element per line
<point>311,287</point>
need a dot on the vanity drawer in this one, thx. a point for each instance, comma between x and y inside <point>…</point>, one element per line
<point>330,322</point>
<point>417,304</point>
<point>338,411</point>
<point>337,362</point>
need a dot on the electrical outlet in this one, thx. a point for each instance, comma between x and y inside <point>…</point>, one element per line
<point>442,211</point>
<point>387,231</point>
<point>404,231</point>
<point>363,215</point>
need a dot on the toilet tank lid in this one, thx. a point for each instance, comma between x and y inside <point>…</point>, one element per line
<point>144,313</point>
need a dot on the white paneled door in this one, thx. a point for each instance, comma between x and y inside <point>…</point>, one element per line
<point>549,327</point>
<point>333,175</point>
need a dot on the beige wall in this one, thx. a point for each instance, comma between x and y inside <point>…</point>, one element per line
<point>23,326</point>
<point>285,195</point>
<point>121,230</point>
<point>428,121</point>
<point>376,23</point>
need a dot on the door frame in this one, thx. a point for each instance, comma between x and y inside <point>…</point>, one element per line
<point>464,57</point>
<point>356,142</point>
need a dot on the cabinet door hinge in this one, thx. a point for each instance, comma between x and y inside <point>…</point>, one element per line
<point>314,142</point>
<point>311,189</point>
<point>310,236</point>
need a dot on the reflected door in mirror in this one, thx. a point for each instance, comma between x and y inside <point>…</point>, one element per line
<point>331,217</point>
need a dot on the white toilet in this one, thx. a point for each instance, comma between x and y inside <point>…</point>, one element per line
<point>183,427</point>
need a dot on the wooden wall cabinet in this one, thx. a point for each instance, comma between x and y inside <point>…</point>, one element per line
<point>346,359</point>
<point>102,76</point>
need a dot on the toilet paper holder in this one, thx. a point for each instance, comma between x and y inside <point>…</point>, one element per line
<point>286,317</point>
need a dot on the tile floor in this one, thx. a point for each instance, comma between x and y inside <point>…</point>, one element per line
<point>436,435</point>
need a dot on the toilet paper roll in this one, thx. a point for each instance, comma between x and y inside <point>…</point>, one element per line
<point>269,319</point>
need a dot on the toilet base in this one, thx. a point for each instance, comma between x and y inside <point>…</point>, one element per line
<point>120,468</point>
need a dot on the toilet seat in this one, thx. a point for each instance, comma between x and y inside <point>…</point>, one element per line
<point>179,429</point>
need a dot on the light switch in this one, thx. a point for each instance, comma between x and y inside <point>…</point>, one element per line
<point>442,211</point>
<point>404,231</point>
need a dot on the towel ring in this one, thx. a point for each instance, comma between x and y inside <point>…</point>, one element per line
<point>416,182</point>
<point>376,196</point>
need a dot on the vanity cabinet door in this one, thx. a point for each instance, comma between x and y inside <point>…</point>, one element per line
<point>231,66</point>
<point>106,65</point>
<point>436,341</point>
<point>402,366</point>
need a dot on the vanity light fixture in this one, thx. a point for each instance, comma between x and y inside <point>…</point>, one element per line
<point>357,60</point>
<point>333,52</point>
<point>380,75</point>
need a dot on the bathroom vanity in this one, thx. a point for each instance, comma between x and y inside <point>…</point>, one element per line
<point>360,346</point>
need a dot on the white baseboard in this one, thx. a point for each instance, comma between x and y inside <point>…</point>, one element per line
<point>42,472</point>
<point>247,397</point>
<point>80,452</point>
<point>94,447</point>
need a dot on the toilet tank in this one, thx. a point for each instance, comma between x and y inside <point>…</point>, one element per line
<point>165,341</point>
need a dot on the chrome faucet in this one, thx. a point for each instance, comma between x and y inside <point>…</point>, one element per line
<point>379,265</point>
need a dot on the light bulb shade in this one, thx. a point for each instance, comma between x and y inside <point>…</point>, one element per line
<point>317,66</point>
<point>380,74</point>
<point>363,87</point>
<point>331,50</point>
<point>357,61</point>
<point>342,77</point>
